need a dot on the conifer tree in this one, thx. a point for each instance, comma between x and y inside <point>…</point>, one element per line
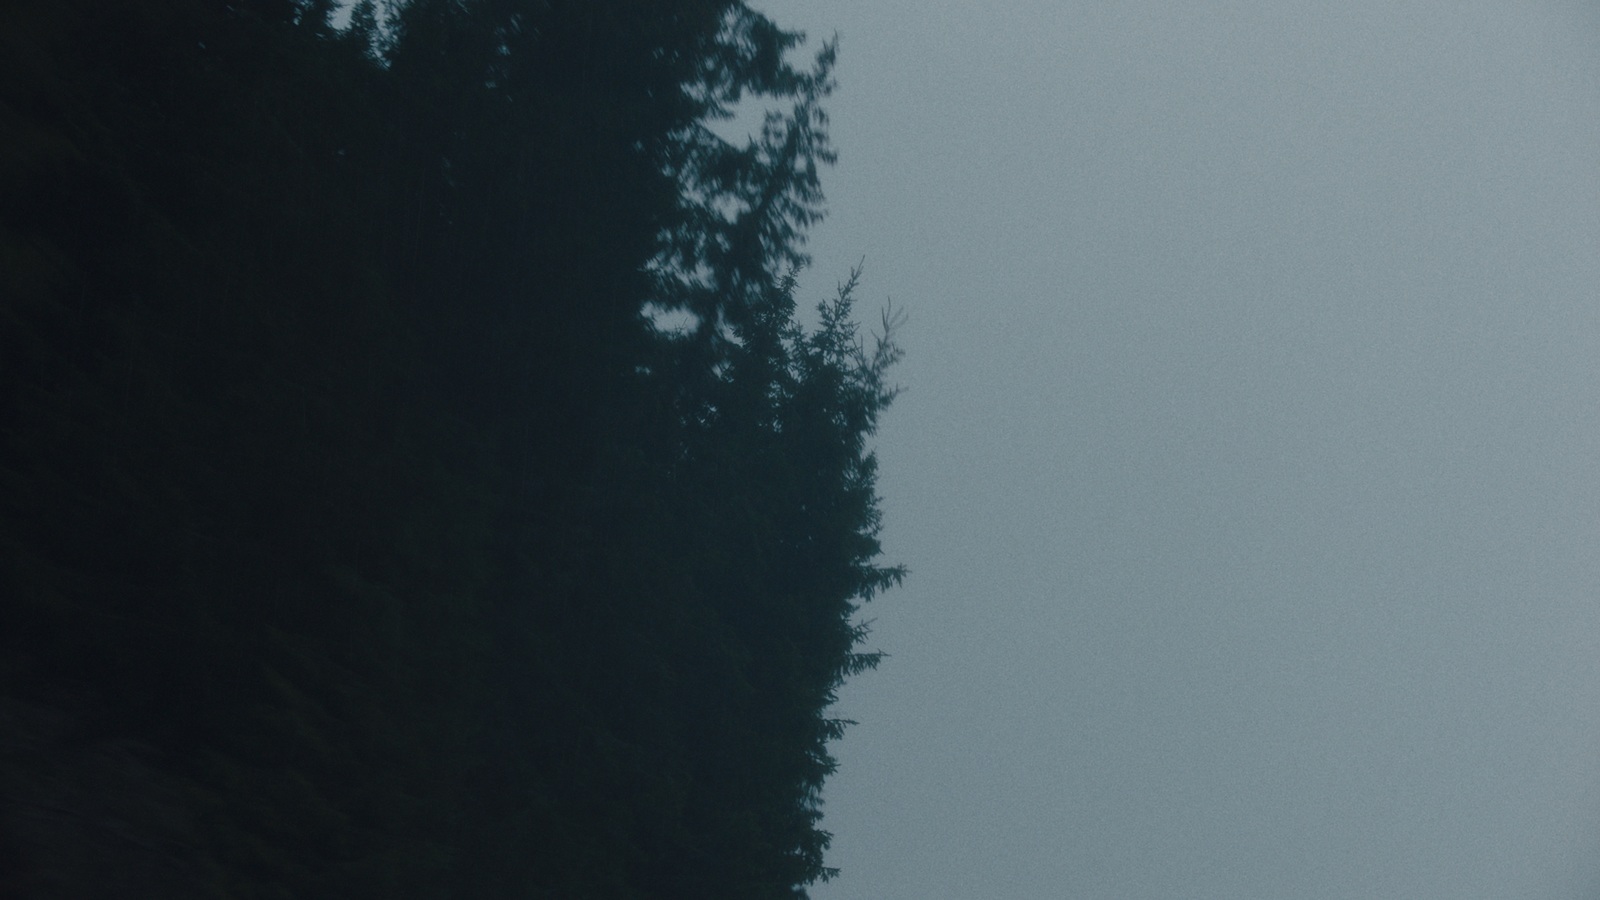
<point>362,534</point>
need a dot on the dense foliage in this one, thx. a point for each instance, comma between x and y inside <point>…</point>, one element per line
<point>362,531</point>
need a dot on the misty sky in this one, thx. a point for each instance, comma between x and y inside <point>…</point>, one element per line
<point>1249,466</point>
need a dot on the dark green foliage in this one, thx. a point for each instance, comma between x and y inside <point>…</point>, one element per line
<point>360,533</point>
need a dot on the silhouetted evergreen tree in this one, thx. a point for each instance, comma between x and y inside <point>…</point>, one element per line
<point>360,532</point>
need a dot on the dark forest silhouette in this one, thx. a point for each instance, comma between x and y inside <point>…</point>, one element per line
<point>361,534</point>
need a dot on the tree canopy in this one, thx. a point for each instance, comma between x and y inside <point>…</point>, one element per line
<point>363,532</point>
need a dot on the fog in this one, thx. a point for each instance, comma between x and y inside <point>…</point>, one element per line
<point>1247,466</point>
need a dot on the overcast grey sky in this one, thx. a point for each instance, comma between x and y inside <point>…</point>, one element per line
<point>1249,467</point>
